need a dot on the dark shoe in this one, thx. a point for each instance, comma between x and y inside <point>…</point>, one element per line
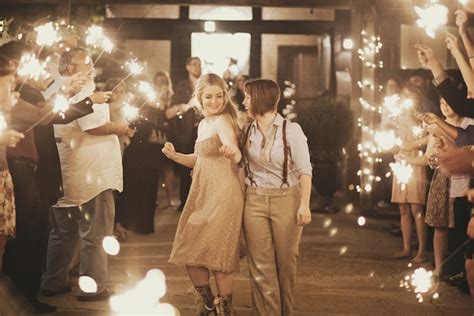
<point>456,279</point>
<point>205,301</point>
<point>224,305</point>
<point>42,308</point>
<point>104,295</point>
<point>464,287</point>
<point>50,293</point>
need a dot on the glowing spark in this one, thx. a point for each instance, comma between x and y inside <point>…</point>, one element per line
<point>327,222</point>
<point>367,188</point>
<point>61,105</point>
<point>129,112</point>
<point>87,284</point>
<point>333,232</point>
<point>392,105</point>
<point>95,37</point>
<point>402,171</point>
<point>349,208</point>
<point>111,245</point>
<point>31,67</point>
<point>421,280</point>
<point>144,298</point>
<point>47,34</point>
<point>361,221</point>
<point>432,18</point>
<point>342,250</point>
<point>435,296</point>
<point>147,89</point>
<point>417,131</point>
<point>407,104</point>
<point>386,140</point>
<point>3,123</point>
<point>134,67</point>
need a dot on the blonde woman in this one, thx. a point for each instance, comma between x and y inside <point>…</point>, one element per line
<point>207,238</point>
<point>278,169</point>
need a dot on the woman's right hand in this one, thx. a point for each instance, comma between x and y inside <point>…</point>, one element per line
<point>169,151</point>
<point>461,21</point>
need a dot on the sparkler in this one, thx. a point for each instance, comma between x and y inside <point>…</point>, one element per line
<point>402,172</point>
<point>147,89</point>
<point>432,17</point>
<point>61,105</point>
<point>386,140</point>
<point>31,67</point>
<point>46,34</point>
<point>87,284</point>
<point>129,112</point>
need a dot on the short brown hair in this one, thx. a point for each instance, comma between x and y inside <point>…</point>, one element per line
<point>264,95</point>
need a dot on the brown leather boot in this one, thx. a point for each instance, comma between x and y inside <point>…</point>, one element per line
<point>224,305</point>
<point>205,300</point>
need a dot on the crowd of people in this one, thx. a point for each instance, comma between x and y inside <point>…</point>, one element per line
<point>438,194</point>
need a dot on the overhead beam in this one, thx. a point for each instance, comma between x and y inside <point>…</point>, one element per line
<point>334,4</point>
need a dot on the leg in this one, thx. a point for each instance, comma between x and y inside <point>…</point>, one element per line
<point>3,242</point>
<point>287,236</point>
<point>440,247</point>
<point>224,283</point>
<point>406,226</point>
<point>199,276</point>
<point>469,265</point>
<point>261,256</point>
<point>417,213</point>
<point>95,221</point>
<point>62,245</point>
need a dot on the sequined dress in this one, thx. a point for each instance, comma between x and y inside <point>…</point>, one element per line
<point>209,229</point>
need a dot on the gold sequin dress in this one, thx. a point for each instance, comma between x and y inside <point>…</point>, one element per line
<point>209,229</point>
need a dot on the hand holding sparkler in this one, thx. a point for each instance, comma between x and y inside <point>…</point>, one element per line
<point>461,21</point>
<point>100,97</point>
<point>455,160</point>
<point>452,43</point>
<point>10,138</point>
<point>428,118</point>
<point>426,56</point>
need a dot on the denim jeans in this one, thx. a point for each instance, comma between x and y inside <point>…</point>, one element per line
<point>90,222</point>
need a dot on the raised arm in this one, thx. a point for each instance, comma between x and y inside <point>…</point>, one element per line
<point>453,45</point>
<point>461,22</point>
<point>187,160</point>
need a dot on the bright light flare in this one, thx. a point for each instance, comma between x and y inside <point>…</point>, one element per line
<point>417,131</point>
<point>96,37</point>
<point>361,221</point>
<point>386,140</point>
<point>148,90</point>
<point>432,17</point>
<point>61,105</point>
<point>144,297</point>
<point>87,284</point>
<point>31,67</point>
<point>111,245</point>
<point>46,34</point>
<point>392,105</point>
<point>134,67</point>
<point>402,171</point>
<point>3,122</point>
<point>129,112</point>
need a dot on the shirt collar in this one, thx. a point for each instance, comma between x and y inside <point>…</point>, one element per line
<point>278,121</point>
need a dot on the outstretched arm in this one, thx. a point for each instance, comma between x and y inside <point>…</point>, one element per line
<point>187,160</point>
<point>226,133</point>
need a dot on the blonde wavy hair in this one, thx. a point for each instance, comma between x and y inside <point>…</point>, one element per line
<point>215,80</point>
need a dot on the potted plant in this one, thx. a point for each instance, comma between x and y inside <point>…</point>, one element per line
<point>329,125</point>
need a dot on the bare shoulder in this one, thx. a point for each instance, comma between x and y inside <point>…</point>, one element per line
<point>223,121</point>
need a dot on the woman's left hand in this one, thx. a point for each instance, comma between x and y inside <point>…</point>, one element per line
<point>229,151</point>
<point>304,215</point>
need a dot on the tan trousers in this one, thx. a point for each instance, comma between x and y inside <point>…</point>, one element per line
<point>272,236</point>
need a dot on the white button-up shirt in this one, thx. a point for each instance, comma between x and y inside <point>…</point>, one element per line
<point>265,156</point>
<point>89,164</point>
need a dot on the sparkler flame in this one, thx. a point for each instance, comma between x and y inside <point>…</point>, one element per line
<point>3,122</point>
<point>148,90</point>
<point>31,67</point>
<point>386,140</point>
<point>432,18</point>
<point>134,67</point>
<point>129,112</point>
<point>402,171</point>
<point>47,34</point>
<point>87,284</point>
<point>95,37</point>
<point>61,105</point>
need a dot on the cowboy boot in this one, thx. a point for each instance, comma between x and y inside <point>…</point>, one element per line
<point>224,305</point>
<point>205,299</point>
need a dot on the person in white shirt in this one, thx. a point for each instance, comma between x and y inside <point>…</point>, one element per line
<point>91,167</point>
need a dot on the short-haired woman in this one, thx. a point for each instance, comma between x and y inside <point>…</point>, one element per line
<point>208,234</point>
<point>276,208</point>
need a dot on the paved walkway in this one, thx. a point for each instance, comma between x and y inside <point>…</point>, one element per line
<point>345,269</point>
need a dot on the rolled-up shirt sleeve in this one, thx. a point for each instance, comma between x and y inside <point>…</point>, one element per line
<point>299,151</point>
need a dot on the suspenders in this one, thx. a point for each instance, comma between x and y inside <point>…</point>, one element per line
<point>286,153</point>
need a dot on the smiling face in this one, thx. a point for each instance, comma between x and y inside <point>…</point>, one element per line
<point>212,100</point>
